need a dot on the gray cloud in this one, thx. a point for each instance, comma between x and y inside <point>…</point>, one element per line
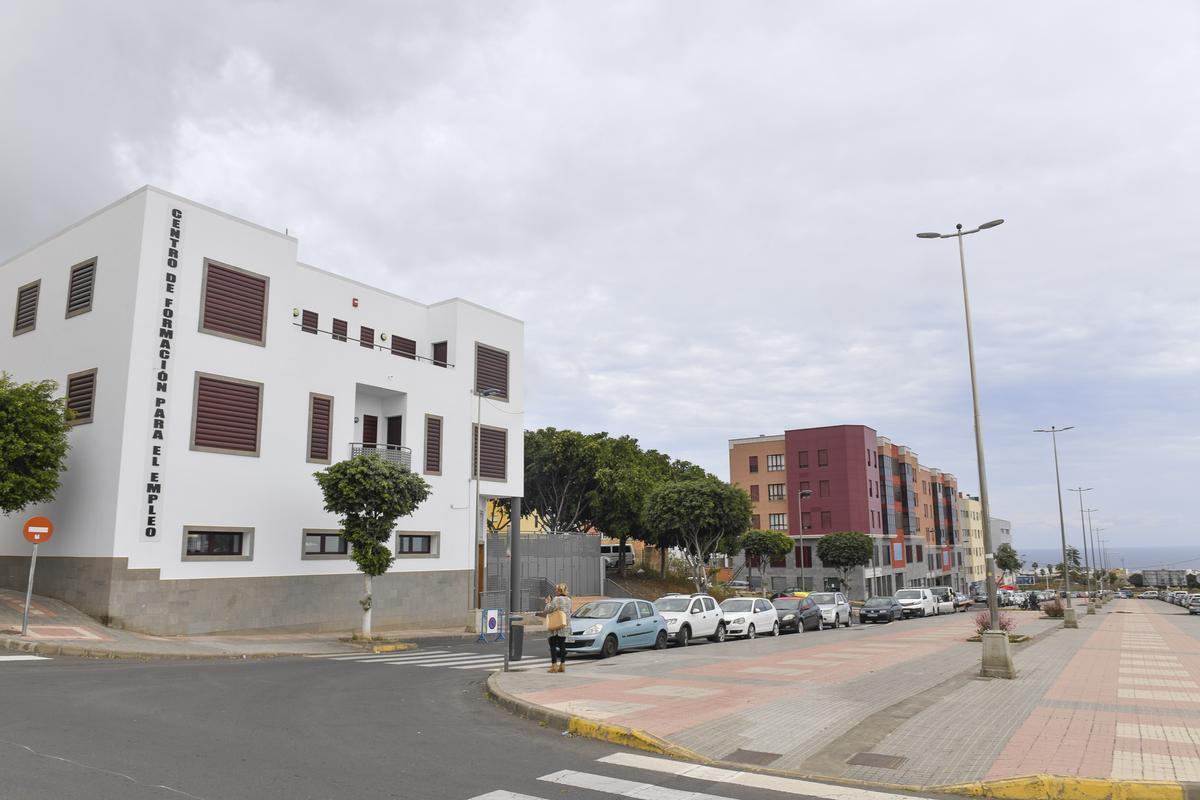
<point>704,214</point>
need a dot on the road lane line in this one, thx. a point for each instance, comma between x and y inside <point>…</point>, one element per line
<point>501,794</point>
<point>623,788</point>
<point>382,656</point>
<point>24,658</point>
<point>792,786</point>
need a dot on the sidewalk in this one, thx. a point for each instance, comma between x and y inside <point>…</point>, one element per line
<point>56,628</point>
<point>902,704</point>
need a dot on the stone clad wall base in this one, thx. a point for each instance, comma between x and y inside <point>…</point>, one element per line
<point>137,600</point>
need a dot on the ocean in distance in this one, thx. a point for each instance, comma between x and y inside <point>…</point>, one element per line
<point>1135,558</point>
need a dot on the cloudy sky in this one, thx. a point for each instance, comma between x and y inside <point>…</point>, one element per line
<point>704,212</point>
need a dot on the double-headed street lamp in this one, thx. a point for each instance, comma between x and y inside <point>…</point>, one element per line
<point>1091,605</point>
<point>997,660</point>
<point>1069,620</point>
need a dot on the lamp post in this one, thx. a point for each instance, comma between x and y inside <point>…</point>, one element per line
<point>1095,556</point>
<point>997,659</point>
<point>1087,567</point>
<point>800,497</point>
<point>1069,618</point>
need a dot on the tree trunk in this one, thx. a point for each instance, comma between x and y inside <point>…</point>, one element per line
<point>662,563</point>
<point>366,604</point>
<point>621,554</point>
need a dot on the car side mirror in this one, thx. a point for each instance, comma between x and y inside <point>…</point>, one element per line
<point>624,619</point>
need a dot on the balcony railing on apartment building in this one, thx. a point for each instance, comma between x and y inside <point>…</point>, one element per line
<point>392,452</point>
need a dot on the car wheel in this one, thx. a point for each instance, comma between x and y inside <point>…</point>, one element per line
<point>681,638</point>
<point>609,648</point>
<point>660,641</point>
<point>922,613</point>
<point>719,636</point>
<point>750,632</point>
<point>848,616</point>
<point>775,628</point>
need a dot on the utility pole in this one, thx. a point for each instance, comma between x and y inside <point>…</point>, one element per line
<point>1091,605</point>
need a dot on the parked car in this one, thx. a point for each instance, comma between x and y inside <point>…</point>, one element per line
<point>1149,595</point>
<point>737,586</point>
<point>880,609</point>
<point>611,553</point>
<point>749,617</point>
<point>916,602</point>
<point>980,597</point>
<point>612,625</point>
<point>962,602</point>
<point>943,600</point>
<point>690,616</point>
<point>1193,605</point>
<point>835,608</point>
<point>797,614</point>
<point>1181,598</point>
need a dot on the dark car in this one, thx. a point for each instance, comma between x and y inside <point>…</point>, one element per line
<point>881,609</point>
<point>797,614</point>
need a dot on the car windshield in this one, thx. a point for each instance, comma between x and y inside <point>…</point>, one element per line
<point>787,603</point>
<point>600,610</point>
<point>737,605</point>
<point>822,599</point>
<point>908,594</point>
<point>673,603</point>
<point>878,602</point>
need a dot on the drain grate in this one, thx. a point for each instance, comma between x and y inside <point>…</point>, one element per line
<point>881,760</point>
<point>756,757</point>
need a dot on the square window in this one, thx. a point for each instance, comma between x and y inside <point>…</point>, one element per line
<point>775,463</point>
<point>803,459</point>
<point>417,544</point>
<point>325,543</point>
<point>826,520</point>
<point>805,486</point>
<point>778,522</point>
<point>823,487</point>
<point>233,303</point>
<point>822,458</point>
<point>806,520</point>
<point>774,491</point>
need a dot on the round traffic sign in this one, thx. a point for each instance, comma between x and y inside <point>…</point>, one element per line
<point>39,529</point>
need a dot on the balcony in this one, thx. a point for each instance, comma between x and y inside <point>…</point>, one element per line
<point>392,452</point>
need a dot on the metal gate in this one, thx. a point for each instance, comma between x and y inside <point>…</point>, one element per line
<point>546,559</point>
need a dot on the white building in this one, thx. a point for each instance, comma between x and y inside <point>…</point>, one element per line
<point>971,525</point>
<point>213,374</point>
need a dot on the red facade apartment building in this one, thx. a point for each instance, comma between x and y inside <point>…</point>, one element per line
<point>813,481</point>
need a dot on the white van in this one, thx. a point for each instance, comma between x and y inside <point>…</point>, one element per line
<point>916,601</point>
<point>610,554</point>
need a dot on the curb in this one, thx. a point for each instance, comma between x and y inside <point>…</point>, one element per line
<point>1056,787</point>
<point>84,651</point>
<point>1030,787</point>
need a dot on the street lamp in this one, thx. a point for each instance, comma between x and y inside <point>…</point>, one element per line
<point>800,497</point>
<point>1091,605</point>
<point>997,660</point>
<point>1095,556</point>
<point>1069,620</point>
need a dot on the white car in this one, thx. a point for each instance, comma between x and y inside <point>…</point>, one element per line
<point>749,617</point>
<point>691,616</point>
<point>943,600</point>
<point>916,602</point>
<point>835,608</point>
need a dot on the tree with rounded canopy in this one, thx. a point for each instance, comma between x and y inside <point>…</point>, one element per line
<point>369,493</point>
<point>844,551</point>
<point>33,442</point>
<point>1007,559</point>
<point>700,515</point>
<point>1137,580</point>
<point>760,547</point>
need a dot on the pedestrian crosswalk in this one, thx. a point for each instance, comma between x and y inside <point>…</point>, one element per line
<point>441,659</point>
<point>4,659</point>
<point>637,771</point>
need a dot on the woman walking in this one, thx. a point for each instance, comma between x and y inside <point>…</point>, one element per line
<point>558,624</point>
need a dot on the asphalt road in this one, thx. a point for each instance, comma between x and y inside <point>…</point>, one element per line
<point>293,728</point>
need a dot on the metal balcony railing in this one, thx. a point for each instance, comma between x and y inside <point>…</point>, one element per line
<point>392,452</point>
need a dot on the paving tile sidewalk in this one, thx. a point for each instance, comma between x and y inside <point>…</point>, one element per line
<point>58,628</point>
<point>905,705</point>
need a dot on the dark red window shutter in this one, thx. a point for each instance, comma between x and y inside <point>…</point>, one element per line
<point>309,321</point>
<point>370,433</point>
<point>320,420</point>
<point>339,330</point>
<point>79,290</point>
<point>492,449</point>
<point>433,445</point>
<point>755,522</point>
<point>27,303</point>
<point>366,336</point>
<point>81,396</point>
<point>440,353</point>
<point>491,370</point>
<point>754,491</point>
<point>754,463</point>
<point>404,347</point>
<point>227,415</point>
<point>235,303</point>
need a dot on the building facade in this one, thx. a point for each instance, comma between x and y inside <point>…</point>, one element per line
<point>971,513</point>
<point>211,374</point>
<point>814,481</point>
<point>1164,578</point>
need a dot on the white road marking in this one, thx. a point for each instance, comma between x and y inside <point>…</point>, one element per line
<point>445,661</point>
<point>500,794</point>
<point>791,786</point>
<point>623,788</point>
<point>24,658</point>
<point>386,656</point>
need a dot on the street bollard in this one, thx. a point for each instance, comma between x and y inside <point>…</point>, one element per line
<point>516,637</point>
